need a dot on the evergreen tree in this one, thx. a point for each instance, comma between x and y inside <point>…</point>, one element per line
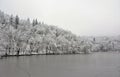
<point>28,20</point>
<point>4,21</point>
<point>35,22</point>
<point>16,20</point>
<point>11,20</point>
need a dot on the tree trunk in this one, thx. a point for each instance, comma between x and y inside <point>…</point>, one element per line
<point>18,51</point>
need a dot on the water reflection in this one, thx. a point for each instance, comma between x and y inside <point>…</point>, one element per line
<point>91,65</point>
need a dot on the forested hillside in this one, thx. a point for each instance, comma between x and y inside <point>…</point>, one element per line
<point>18,37</point>
<point>23,37</point>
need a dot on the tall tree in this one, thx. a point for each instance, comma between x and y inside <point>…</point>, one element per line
<point>11,20</point>
<point>16,21</point>
<point>28,20</point>
<point>35,22</point>
<point>4,21</point>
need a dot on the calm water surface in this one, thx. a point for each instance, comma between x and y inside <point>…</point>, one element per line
<point>90,65</point>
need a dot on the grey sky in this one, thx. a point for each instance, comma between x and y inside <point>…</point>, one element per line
<point>82,17</point>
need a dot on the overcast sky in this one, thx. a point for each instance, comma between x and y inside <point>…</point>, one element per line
<point>82,17</point>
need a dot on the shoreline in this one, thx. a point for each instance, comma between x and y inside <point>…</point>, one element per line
<point>35,54</point>
<point>5,56</point>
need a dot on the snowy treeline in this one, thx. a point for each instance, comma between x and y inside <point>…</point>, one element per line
<point>21,37</point>
<point>106,43</point>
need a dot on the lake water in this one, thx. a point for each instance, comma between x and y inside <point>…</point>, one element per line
<point>99,64</point>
